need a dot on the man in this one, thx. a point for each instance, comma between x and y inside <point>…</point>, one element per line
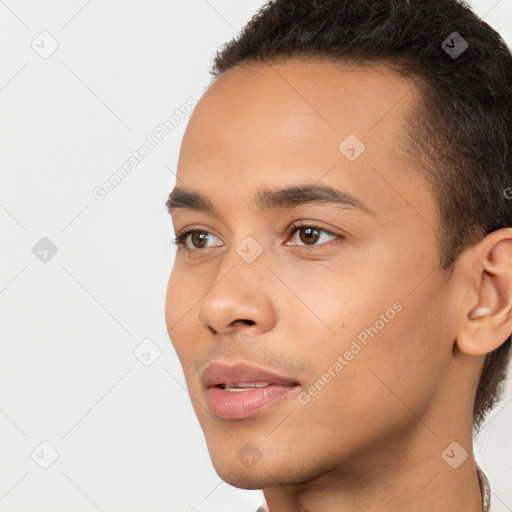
<point>340,299</point>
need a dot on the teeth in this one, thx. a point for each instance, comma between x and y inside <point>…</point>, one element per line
<point>242,386</point>
<point>252,384</point>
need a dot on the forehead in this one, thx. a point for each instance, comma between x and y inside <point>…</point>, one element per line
<point>294,102</point>
<point>278,123</point>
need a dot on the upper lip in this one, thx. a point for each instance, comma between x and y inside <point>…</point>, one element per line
<point>219,373</point>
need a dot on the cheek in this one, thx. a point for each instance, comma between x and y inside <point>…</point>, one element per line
<point>171,303</point>
<point>388,345</point>
<point>179,313</point>
<point>364,401</point>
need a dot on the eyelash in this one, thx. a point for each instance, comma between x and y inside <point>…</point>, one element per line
<point>181,237</point>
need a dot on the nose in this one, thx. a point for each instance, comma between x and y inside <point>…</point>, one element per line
<point>238,301</point>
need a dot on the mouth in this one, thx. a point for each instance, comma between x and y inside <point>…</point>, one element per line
<point>241,391</point>
<point>243,386</point>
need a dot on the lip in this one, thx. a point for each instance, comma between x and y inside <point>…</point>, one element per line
<point>218,373</point>
<point>247,403</point>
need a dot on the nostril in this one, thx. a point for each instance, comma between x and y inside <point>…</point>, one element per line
<point>248,322</point>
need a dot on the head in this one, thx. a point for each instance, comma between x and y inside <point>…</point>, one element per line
<point>346,177</point>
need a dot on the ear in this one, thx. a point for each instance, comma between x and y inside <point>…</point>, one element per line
<point>486,320</point>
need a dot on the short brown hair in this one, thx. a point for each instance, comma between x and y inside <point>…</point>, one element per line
<point>460,134</point>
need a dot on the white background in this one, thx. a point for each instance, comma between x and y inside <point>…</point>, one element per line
<point>126,434</point>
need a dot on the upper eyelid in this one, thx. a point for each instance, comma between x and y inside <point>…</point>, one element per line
<point>293,227</point>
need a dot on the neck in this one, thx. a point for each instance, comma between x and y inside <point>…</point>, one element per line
<point>409,476</point>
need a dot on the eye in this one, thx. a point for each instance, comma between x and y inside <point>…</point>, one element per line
<point>311,234</point>
<point>197,236</point>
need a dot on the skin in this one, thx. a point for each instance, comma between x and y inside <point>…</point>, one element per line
<point>372,438</point>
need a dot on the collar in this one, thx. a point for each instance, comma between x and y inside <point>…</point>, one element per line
<point>485,489</point>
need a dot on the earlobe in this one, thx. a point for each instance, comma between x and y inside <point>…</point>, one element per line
<point>487,322</point>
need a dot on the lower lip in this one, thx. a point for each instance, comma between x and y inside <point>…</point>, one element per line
<point>244,404</point>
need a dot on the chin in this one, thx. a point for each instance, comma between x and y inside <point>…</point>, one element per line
<point>249,478</point>
<point>247,482</point>
<point>269,471</point>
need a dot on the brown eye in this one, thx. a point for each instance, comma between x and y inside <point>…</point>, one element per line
<point>310,235</point>
<point>198,238</point>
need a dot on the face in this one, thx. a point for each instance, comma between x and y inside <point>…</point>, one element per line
<point>316,264</point>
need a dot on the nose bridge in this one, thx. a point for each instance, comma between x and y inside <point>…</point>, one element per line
<point>248,246</point>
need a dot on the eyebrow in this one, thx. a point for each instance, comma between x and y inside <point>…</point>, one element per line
<point>269,199</point>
